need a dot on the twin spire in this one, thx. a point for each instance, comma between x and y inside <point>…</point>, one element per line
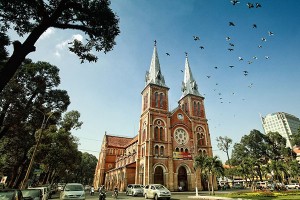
<point>154,76</point>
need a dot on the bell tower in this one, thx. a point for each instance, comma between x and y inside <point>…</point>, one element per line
<point>192,103</point>
<point>153,137</point>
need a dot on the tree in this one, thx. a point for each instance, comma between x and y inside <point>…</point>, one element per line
<point>295,138</point>
<point>32,92</point>
<point>34,86</point>
<point>215,168</point>
<point>34,17</point>
<point>224,145</point>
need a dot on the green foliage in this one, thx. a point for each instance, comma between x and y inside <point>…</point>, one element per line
<point>295,138</point>
<point>224,144</point>
<point>259,155</point>
<point>33,17</point>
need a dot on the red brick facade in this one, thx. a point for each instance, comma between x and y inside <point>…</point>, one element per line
<point>164,148</point>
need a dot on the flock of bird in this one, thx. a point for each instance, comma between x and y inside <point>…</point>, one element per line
<point>231,48</point>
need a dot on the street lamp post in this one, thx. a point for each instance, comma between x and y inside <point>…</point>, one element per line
<point>43,126</point>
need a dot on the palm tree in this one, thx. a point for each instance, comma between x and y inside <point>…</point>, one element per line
<point>200,163</point>
<point>209,166</point>
<point>214,167</point>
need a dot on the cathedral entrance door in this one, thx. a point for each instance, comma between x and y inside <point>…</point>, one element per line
<point>182,179</point>
<point>159,175</point>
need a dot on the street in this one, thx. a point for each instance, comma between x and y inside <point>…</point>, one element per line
<point>122,195</point>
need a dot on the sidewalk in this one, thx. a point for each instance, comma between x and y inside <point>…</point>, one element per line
<point>212,197</point>
<point>207,197</point>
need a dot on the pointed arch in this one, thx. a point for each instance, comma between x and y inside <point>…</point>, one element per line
<point>183,171</point>
<point>156,133</point>
<point>161,133</point>
<point>161,100</point>
<point>156,99</point>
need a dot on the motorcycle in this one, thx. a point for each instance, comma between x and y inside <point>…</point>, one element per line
<point>102,195</point>
<point>115,194</point>
<point>92,192</point>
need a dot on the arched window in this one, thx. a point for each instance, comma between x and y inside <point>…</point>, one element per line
<point>161,133</point>
<point>161,151</point>
<point>161,99</point>
<point>181,149</point>
<point>156,133</point>
<point>200,151</point>
<point>204,152</point>
<point>144,135</point>
<point>177,149</point>
<point>186,150</point>
<point>156,99</point>
<point>200,136</point>
<point>143,151</point>
<point>201,140</point>
<point>146,101</point>
<point>195,108</point>
<point>198,111</point>
<point>186,107</point>
<point>156,150</point>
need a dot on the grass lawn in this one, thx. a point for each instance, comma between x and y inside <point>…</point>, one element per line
<point>265,195</point>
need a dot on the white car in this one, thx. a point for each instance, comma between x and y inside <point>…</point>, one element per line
<point>74,191</point>
<point>44,190</point>
<point>156,191</point>
<point>134,190</point>
<point>293,186</point>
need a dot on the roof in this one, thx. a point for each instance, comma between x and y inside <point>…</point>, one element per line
<point>189,85</point>
<point>296,150</point>
<point>117,141</point>
<point>154,74</point>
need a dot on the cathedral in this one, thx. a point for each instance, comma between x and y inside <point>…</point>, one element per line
<point>166,143</point>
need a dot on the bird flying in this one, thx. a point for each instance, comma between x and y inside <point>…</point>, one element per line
<point>229,49</point>
<point>231,66</point>
<point>208,76</point>
<point>231,24</point>
<point>250,5</point>
<point>231,44</point>
<point>255,57</point>
<point>246,72</point>
<point>228,38</point>
<point>264,39</point>
<point>258,5</point>
<point>196,38</point>
<point>270,33</point>
<point>216,67</point>
<point>267,57</point>
<point>167,54</point>
<point>234,2</point>
<point>259,46</point>
<point>254,26</point>
<point>240,58</point>
<point>201,47</point>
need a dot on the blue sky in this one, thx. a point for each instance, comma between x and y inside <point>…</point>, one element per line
<point>108,93</point>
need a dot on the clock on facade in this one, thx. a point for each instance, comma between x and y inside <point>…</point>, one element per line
<point>180,116</point>
<point>181,136</point>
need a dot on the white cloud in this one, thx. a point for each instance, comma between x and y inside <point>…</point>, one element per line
<point>62,45</point>
<point>47,33</point>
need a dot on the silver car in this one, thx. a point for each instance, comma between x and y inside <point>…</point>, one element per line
<point>156,191</point>
<point>74,191</point>
<point>134,190</point>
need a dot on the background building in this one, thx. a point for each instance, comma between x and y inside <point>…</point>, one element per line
<point>283,123</point>
<point>163,150</point>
